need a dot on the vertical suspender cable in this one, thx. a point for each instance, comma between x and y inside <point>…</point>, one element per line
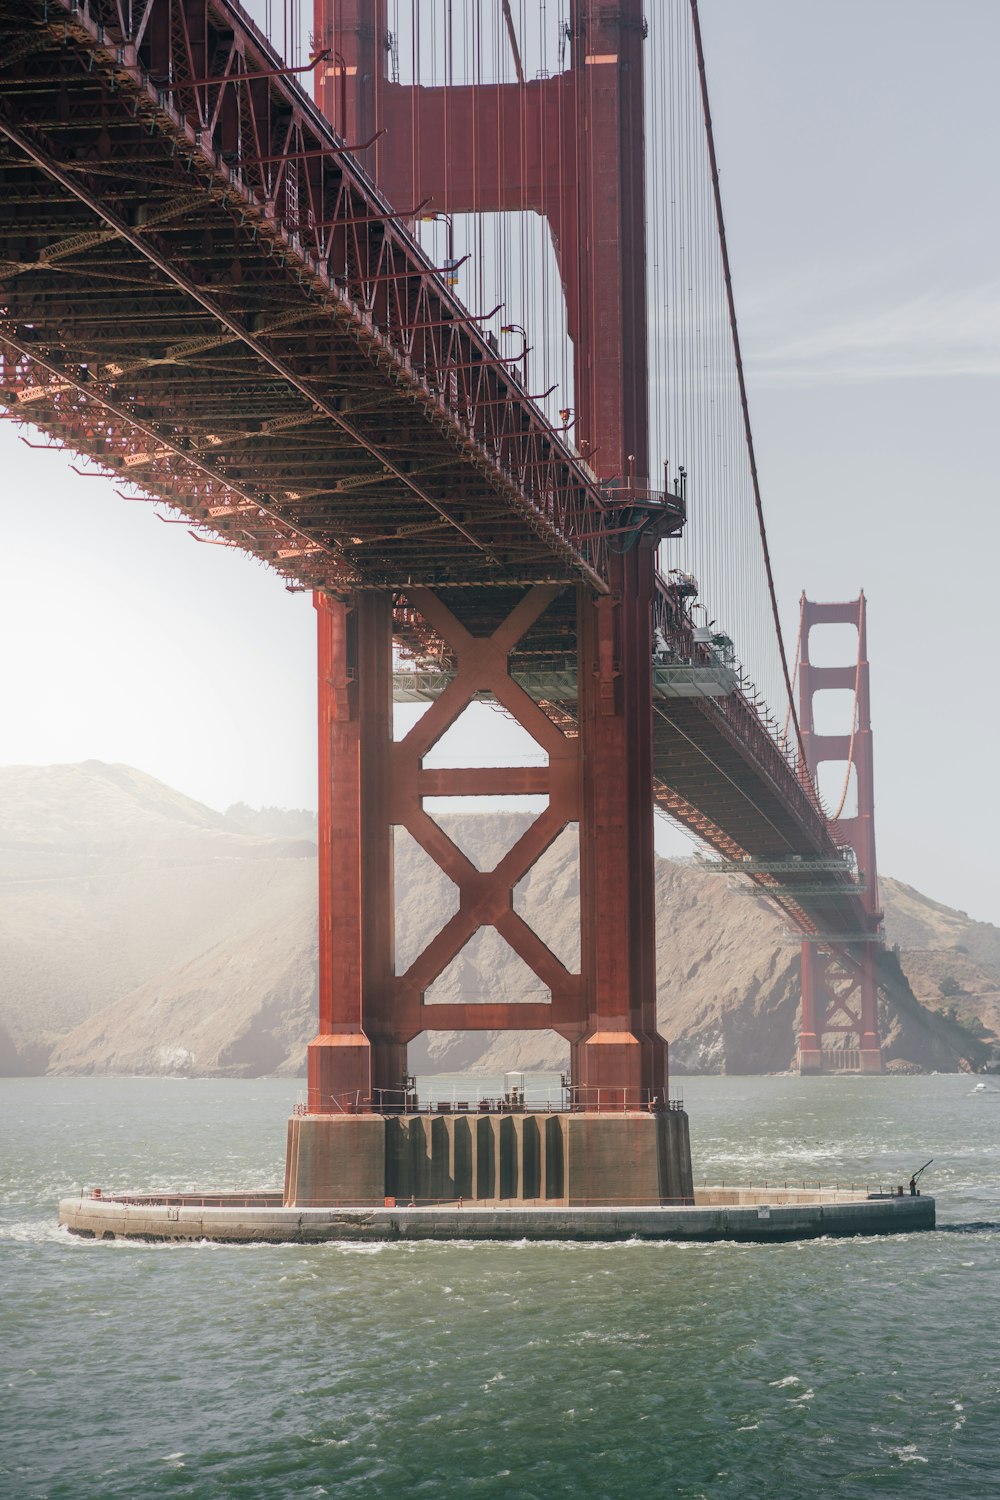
<point>744,404</point>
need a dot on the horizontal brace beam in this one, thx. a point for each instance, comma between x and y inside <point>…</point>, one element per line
<point>489,1016</point>
<point>484,781</point>
<point>349,221</point>
<point>503,400</point>
<point>455,322</point>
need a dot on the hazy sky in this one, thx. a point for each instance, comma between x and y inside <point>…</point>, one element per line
<point>858,144</point>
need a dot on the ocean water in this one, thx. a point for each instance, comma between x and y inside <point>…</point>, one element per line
<point>857,1368</point>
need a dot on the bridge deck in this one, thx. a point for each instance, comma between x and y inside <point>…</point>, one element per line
<point>216,299</point>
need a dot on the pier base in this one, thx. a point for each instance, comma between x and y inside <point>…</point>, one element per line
<point>810,1060</point>
<point>750,1215</point>
<point>578,1159</point>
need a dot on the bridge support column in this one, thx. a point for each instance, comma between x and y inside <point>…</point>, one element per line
<point>839,1000</point>
<point>600,777</point>
<point>810,1052</point>
<point>871,1039</point>
<point>621,1056</point>
<point>354,1051</point>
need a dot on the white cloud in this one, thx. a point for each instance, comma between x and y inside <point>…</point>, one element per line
<point>811,333</point>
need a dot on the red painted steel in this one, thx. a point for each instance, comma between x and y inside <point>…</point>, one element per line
<point>840,985</point>
<point>622,1048</point>
<point>569,147</point>
<point>599,777</point>
<point>369,785</point>
<point>355,1051</point>
<point>485,897</point>
<point>306,257</point>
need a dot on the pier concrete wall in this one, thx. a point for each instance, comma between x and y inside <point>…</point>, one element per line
<point>342,1165</point>
<point>521,1157</point>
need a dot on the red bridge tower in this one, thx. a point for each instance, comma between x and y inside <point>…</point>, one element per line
<point>571,148</point>
<point>839,981</point>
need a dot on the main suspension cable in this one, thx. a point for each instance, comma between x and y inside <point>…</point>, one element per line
<point>737,353</point>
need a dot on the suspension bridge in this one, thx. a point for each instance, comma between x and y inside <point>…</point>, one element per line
<point>451,343</point>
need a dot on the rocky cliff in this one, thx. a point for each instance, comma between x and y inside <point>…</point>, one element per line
<point>141,932</point>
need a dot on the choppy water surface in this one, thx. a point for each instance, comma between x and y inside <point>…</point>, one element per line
<point>828,1368</point>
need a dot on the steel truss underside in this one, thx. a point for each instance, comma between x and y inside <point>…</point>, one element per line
<point>361,424</point>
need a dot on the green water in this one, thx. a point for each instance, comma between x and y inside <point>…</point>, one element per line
<point>827,1368</point>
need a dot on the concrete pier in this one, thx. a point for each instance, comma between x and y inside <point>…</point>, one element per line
<point>627,1159</point>
<point>716,1214</point>
<point>493,1175</point>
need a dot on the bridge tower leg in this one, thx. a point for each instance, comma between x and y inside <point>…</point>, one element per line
<point>355,1052</point>
<point>840,985</point>
<point>622,1048</point>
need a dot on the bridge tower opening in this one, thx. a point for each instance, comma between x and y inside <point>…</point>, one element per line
<point>840,1021</point>
<point>569,147</point>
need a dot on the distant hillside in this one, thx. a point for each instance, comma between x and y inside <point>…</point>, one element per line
<point>141,932</point>
<point>273,822</point>
<point>113,883</point>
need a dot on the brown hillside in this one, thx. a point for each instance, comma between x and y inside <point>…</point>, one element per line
<point>143,933</point>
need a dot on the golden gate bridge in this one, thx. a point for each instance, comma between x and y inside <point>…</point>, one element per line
<point>452,345</point>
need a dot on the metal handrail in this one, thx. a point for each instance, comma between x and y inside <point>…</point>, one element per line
<point>569,1099</point>
<point>222,1198</point>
